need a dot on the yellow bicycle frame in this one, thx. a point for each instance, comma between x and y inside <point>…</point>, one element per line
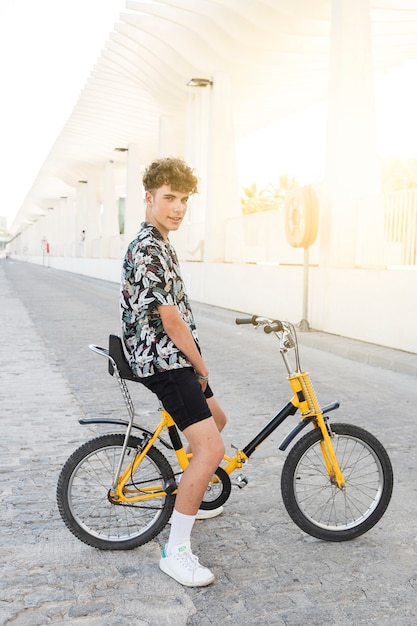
<point>123,493</point>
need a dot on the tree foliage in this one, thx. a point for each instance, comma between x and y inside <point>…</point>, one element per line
<point>256,199</point>
<point>399,174</point>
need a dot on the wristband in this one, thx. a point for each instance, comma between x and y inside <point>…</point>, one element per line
<point>205,378</point>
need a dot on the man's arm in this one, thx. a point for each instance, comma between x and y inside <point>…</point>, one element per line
<point>179,333</point>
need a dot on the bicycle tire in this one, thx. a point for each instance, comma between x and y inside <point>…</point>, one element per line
<point>218,490</point>
<point>319,507</point>
<point>83,489</point>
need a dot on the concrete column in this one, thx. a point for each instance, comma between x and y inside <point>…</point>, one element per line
<point>63,232</point>
<point>352,169</point>
<point>25,241</point>
<point>57,234</point>
<point>93,212</point>
<point>53,229</point>
<point>197,141</point>
<point>81,219</point>
<point>134,206</point>
<point>223,200</point>
<point>72,231</point>
<point>110,216</point>
<point>189,240</point>
<point>35,234</point>
<point>49,225</point>
<point>48,236</point>
<point>190,142</point>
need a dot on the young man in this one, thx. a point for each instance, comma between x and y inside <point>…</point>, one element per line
<point>161,341</point>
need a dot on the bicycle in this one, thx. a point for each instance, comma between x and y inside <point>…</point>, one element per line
<point>117,491</point>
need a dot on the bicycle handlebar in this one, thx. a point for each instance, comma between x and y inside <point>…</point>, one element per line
<point>247,320</point>
<point>270,326</point>
<point>284,331</point>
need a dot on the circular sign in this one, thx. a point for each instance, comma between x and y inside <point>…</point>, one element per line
<point>301,217</point>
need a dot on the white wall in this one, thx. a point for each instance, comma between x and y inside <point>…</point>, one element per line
<point>377,306</point>
<point>104,269</point>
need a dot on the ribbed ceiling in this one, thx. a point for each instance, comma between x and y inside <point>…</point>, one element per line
<point>275,51</point>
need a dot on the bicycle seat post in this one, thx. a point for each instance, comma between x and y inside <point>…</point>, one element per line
<point>131,410</point>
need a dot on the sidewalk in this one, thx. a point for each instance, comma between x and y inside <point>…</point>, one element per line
<point>268,573</point>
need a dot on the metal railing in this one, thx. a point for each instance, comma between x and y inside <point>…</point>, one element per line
<point>400,227</point>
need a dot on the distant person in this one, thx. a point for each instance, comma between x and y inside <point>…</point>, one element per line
<point>160,337</point>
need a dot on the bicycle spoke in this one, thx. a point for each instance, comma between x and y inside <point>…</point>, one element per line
<point>338,508</point>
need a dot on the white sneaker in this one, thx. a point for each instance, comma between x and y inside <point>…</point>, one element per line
<point>208,514</point>
<point>183,566</point>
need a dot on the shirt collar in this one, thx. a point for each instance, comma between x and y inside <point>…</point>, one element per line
<point>151,228</point>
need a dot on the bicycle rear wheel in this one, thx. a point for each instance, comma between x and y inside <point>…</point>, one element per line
<point>83,494</point>
<point>317,505</point>
<point>218,490</point>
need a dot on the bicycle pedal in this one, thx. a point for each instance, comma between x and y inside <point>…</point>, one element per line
<point>240,481</point>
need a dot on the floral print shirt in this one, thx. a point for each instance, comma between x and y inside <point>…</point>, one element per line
<point>151,277</point>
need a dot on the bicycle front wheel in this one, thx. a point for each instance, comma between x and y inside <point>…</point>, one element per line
<point>317,505</point>
<point>83,494</point>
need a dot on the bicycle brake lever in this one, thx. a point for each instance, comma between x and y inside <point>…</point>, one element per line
<point>287,342</point>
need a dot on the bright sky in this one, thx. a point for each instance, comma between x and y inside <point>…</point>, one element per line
<point>49,47</point>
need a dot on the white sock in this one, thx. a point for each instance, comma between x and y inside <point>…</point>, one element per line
<point>181,527</point>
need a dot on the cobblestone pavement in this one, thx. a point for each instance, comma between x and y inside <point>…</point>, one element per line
<point>267,571</point>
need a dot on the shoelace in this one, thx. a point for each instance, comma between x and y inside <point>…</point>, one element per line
<point>188,560</point>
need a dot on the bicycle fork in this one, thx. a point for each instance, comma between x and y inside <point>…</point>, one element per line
<point>305,399</point>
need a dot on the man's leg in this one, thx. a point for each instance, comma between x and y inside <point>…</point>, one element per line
<point>220,419</point>
<point>208,450</point>
<point>218,415</point>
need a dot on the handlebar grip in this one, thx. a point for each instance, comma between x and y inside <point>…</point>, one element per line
<point>246,320</point>
<point>275,327</point>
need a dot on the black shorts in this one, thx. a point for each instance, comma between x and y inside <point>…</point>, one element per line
<point>181,395</point>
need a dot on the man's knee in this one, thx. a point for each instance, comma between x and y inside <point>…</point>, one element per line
<point>212,454</point>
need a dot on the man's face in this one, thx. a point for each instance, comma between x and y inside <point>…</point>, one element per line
<point>166,209</point>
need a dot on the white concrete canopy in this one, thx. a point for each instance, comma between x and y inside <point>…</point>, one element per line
<point>274,52</point>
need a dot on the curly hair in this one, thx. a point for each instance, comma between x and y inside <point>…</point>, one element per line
<point>170,171</point>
